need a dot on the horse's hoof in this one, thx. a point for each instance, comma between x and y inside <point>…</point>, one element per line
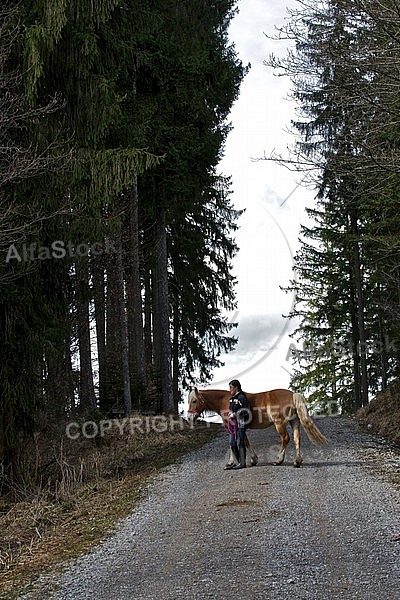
<point>297,465</point>
<point>228,467</point>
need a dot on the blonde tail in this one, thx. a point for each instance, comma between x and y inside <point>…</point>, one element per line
<point>314,434</point>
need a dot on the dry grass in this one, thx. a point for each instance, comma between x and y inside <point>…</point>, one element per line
<point>85,487</point>
<point>382,415</point>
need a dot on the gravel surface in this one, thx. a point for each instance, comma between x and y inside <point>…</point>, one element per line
<point>330,529</point>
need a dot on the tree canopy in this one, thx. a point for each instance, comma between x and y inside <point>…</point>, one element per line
<point>114,117</point>
<point>344,70</point>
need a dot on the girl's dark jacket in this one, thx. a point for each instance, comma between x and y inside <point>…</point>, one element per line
<point>239,405</point>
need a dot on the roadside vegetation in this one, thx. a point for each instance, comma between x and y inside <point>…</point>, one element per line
<point>382,415</point>
<point>74,493</point>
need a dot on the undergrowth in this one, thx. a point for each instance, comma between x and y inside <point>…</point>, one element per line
<point>70,493</point>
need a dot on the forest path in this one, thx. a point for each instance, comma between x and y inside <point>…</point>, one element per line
<point>330,529</point>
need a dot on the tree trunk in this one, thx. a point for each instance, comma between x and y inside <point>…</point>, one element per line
<point>87,393</point>
<point>100,316</point>
<point>354,344</point>
<point>123,328</point>
<point>362,350</point>
<point>134,300</point>
<point>148,325</point>
<point>382,347</point>
<point>113,341</point>
<point>175,361</point>
<point>162,340</point>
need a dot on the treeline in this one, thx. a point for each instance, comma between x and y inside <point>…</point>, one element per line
<point>345,68</point>
<point>116,230</point>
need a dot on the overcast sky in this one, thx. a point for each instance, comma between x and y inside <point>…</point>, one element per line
<point>275,205</point>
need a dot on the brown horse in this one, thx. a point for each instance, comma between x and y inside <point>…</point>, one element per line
<point>277,407</point>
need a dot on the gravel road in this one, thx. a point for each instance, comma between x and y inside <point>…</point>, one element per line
<point>328,530</point>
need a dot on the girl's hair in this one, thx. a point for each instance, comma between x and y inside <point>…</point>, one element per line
<point>236,383</point>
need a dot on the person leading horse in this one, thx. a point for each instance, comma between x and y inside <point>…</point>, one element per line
<point>239,417</point>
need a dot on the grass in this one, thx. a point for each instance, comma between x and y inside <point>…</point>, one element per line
<point>92,485</point>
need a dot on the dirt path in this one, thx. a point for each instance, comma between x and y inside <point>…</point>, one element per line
<point>328,530</point>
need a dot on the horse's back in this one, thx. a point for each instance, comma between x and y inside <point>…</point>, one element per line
<point>266,406</point>
<point>272,397</point>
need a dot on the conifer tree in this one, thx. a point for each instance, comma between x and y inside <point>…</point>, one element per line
<point>340,74</point>
<point>192,88</point>
<point>142,94</point>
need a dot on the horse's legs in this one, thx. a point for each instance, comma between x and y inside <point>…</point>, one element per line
<point>295,423</point>
<point>280,427</point>
<point>254,458</point>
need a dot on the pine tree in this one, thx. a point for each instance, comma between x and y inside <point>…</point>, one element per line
<point>342,88</point>
<point>142,93</point>
<point>190,90</point>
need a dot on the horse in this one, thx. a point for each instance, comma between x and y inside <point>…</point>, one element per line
<point>276,407</point>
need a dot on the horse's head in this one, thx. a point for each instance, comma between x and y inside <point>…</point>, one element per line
<point>196,405</point>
